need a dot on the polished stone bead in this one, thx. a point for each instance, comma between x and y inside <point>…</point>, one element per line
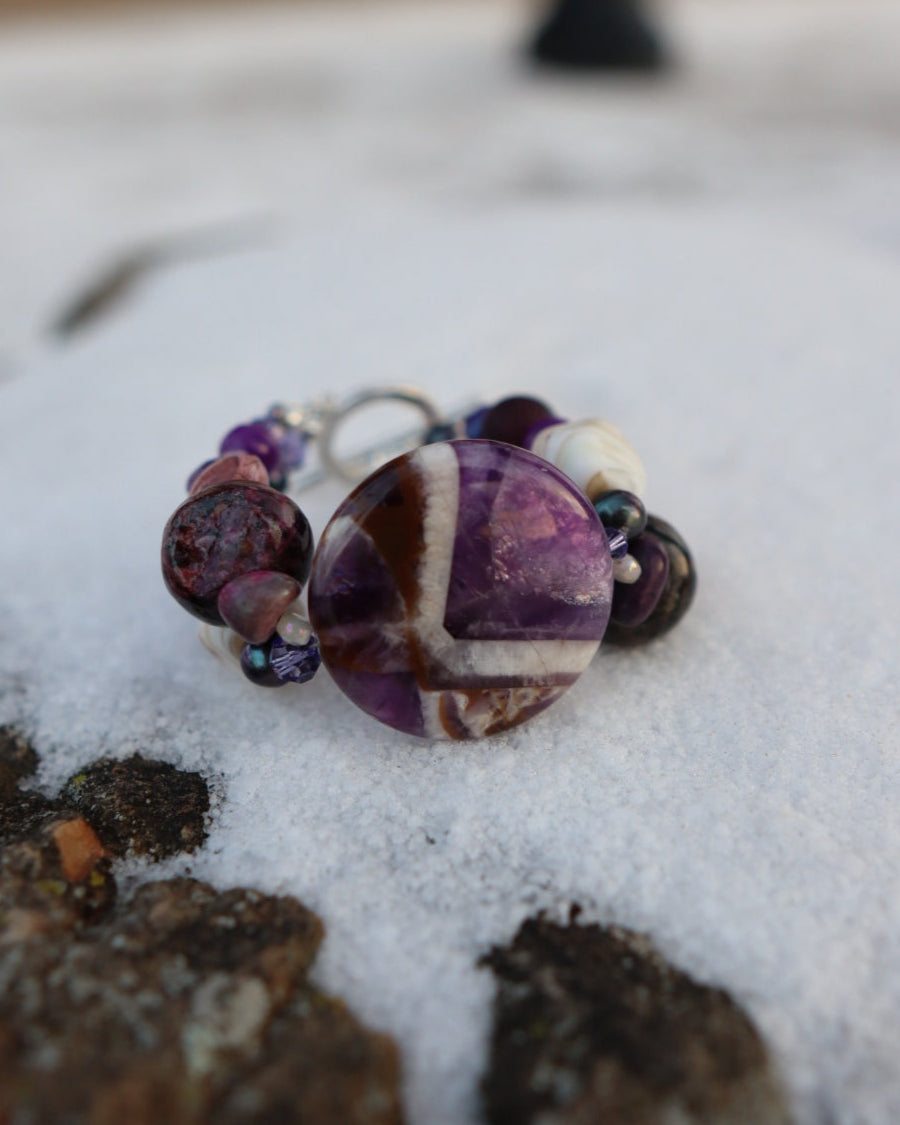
<point>252,604</point>
<point>461,589</point>
<point>226,531</point>
<point>512,419</point>
<point>621,510</point>
<point>259,438</point>
<point>677,594</point>
<point>634,602</point>
<point>230,466</point>
<point>295,664</point>
<point>257,667</point>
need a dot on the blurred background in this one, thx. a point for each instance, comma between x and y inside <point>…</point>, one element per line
<point>136,135</point>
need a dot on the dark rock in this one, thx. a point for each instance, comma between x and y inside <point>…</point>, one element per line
<point>52,883</point>
<point>182,1004</point>
<point>592,1025</point>
<point>22,812</point>
<point>599,35</point>
<point>176,1003</point>
<point>141,806</point>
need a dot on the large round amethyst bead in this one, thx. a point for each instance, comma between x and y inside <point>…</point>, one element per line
<point>226,531</point>
<point>461,589</point>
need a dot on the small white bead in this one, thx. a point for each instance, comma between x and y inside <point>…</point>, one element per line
<point>595,454</point>
<point>224,644</point>
<point>293,626</point>
<point>626,570</point>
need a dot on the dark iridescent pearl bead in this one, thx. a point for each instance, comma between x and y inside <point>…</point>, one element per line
<point>621,510</point>
<point>634,602</point>
<point>512,419</point>
<point>256,666</point>
<point>226,531</point>
<point>257,438</point>
<point>677,594</point>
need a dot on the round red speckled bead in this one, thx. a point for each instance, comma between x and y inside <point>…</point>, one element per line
<point>226,531</point>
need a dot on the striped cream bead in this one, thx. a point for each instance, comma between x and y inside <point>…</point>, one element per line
<point>595,454</point>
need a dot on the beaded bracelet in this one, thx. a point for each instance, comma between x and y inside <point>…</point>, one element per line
<point>460,588</point>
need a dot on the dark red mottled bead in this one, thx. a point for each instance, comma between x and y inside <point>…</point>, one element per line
<point>226,531</point>
<point>512,419</point>
<point>677,594</point>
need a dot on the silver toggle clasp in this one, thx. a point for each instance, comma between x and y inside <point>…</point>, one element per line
<point>321,420</point>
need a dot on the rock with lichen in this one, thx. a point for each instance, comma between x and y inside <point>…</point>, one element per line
<point>141,806</point>
<point>592,1024</point>
<point>171,1003</point>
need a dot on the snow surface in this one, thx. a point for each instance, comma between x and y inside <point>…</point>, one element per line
<point>711,263</point>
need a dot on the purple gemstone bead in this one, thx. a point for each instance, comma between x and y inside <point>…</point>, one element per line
<point>473,422</point>
<point>677,594</point>
<point>224,532</point>
<point>533,431</point>
<point>295,664</point>
<point>632,604</point>
<point>512,419</point>
<point>461,589</point>
<point>257,438</point>
<point>192,479</point>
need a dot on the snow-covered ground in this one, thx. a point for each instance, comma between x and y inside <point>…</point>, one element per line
<point>712,261</point>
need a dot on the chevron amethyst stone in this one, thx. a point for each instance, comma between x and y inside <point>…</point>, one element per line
<point>461,589</point>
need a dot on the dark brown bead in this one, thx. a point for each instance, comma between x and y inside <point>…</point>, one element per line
<point>677,594</point>
<point>226,531</point>
<point>512,419</point>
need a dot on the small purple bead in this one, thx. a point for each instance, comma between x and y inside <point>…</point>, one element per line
<point>618,544</point>
<point>196,473</point>
<point>528,440</point>
<point>474,421</point>
<point>295,663</point>
<point>291,448</point>
<point>257,438</point>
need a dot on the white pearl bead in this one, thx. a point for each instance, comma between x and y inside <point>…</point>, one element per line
<point>595,454</point>
<point>626,570</point>
<point>223,644</point>
<point>293,626</point>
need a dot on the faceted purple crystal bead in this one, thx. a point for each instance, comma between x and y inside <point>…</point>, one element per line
<point>224,532</point>
<point>512,419</point>
<point>461,589</point>
<point>294,664</point>
<point>257,438</point>
<point>632,604</point>
<point>618,544</point>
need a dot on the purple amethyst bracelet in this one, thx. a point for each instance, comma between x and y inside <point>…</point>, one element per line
<point>460,589</point>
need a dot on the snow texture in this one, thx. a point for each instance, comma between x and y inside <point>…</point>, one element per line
<point>711,263</point>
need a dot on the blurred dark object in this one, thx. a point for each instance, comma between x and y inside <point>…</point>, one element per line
<point>599,35</point>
